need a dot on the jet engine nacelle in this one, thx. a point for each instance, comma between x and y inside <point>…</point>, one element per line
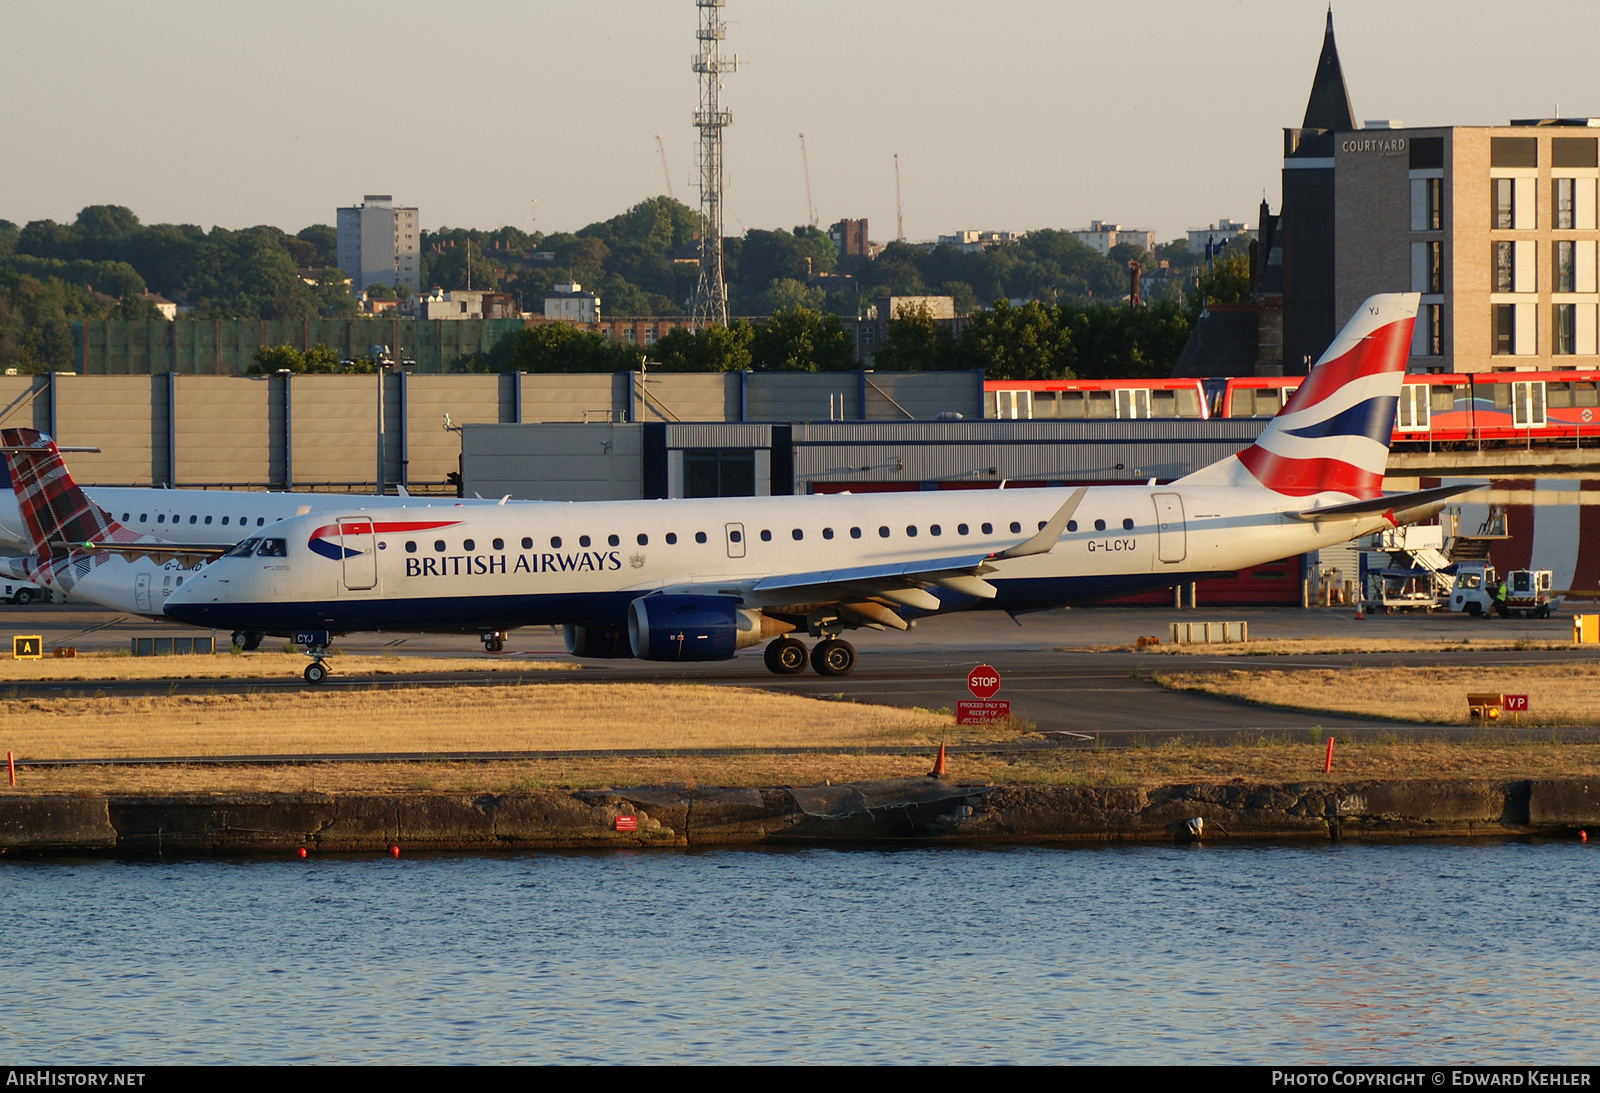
<point>591,641</point>
<point>695,627</point>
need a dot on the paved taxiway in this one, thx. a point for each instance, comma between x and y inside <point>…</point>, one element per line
<point>1049,669</point>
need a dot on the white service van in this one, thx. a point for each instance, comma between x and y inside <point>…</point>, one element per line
<point>23,593</point>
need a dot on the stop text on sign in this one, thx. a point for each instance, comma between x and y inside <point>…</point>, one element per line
<point>983,681</point>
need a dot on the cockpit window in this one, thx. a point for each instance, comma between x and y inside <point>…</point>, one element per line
<point>272,548</point>
<point>243,550</point>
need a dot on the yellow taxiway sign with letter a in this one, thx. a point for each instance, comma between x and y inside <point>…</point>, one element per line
<point>28,647</point>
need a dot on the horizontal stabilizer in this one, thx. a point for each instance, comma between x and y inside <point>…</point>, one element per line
<point>1393,502</point>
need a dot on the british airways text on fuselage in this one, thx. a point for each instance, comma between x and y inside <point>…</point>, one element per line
<point>473,565</point>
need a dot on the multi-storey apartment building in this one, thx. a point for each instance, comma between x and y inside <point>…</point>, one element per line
<point>380,243</point>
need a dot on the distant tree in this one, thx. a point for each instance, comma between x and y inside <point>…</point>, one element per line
<point>562,347</point>
<point>714,348</point>
<point>270,359</point>
<point>137,308</point>
<point>320,358</point>
<point>1028,342</point>
<point>917,342</point>
<point>332,296</point>
<point>786,292</point>
<point>380,291</point>
<point>799,339</point>
<point>325,240</point>
<point>1227,282</point>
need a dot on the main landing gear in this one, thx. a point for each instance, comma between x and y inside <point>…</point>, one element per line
<point>830,657</point>
<point>247,641</point>
<point>494,641</point>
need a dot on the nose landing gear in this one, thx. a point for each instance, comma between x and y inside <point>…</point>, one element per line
<point>316,647</point>
<point>494,641</point>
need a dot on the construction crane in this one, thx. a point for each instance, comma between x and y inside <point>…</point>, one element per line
<point>805,164</point>
<point>662,148</point>
<point>899,220</point>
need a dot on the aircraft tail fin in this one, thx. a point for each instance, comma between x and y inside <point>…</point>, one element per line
<point>1333,435</point>
<point>54,509</point>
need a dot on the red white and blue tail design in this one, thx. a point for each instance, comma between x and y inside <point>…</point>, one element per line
<point>1333,436</point>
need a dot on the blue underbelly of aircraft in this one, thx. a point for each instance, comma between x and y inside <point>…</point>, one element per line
<point>604,609</point>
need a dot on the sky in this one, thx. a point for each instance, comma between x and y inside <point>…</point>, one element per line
<point>1006,114</point>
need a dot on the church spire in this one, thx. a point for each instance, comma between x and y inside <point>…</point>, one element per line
<point>1329,105</point>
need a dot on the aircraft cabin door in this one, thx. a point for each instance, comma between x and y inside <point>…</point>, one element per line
<point>141,592</point>
<point>360,553</point>
<point>1170,535</point>
<point>735,540</point>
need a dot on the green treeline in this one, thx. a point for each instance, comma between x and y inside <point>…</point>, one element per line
<point>641,262</point>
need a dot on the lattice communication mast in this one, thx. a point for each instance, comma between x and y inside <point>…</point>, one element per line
<point>710,303</point>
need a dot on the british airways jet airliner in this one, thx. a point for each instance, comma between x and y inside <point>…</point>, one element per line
<point>697,580</point>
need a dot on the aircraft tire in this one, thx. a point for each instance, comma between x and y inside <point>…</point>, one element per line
<point>785,656</point>
<point>834,657</point>
<point>247,641</point>
<point>494,645</point>
<point>23,597</point>
<point>315,673</point>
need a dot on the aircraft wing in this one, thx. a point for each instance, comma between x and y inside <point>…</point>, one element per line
<point>1393,502</point>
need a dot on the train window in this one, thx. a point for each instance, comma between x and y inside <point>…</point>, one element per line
<point>438,544</point>
<point>827,533</point>
<point>855,533</point>
<point>798,534</point>
<point>584,540</point>
<point>699,536</point>
<point>1127,524</point>
<point>1101,404</point>
<point>911,531</point>
<point>987,529</point>
<point>555,542</point>
<point>883,533</point>
<point>613,540</point>
<point>1188,400</point>
<point>1072,525</point>
<point>1164,403</point>
<point>1099,525</point>
<point>935,529</point>
<point>672,538</point>
<point>1558,396</point>
<point>1070,404</point>
<point>498,544</point>
<point>766,535</point>
<point>642,539</point>
<point>411,546</point>
<point>469,545</point>
<point>527,543</point>
<point>1585,394</point>
<point>1016,527</point>
<point>1441,400</point>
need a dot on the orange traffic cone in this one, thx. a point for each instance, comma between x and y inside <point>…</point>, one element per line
<point>1360,611</point>
<point>938,763</point>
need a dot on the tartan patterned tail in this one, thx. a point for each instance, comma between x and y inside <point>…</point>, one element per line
<point>55,512</point>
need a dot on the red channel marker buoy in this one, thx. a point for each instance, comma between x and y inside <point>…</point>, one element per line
<point>302,851</point>
<point>394,851</point>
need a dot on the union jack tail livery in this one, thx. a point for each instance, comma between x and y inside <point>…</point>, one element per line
<point>1333,435</point>
<point>56,514</point>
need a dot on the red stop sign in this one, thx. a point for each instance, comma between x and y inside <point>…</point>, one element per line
<point>983,681</point>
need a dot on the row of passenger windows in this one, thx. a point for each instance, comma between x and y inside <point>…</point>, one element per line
<point>734,535</point>
<point>161,518</point>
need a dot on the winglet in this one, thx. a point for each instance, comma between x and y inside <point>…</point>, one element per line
<point>1045,540</point>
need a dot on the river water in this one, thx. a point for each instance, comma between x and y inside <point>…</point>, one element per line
<point>1426,953</point>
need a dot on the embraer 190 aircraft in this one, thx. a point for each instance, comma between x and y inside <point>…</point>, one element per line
<point>693,580</point>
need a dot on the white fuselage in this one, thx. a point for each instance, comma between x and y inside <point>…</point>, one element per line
<point>583,563</point>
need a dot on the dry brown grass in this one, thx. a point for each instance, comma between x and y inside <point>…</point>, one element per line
<point>1559,694</point>
<point>1283,647</point>
<point>553,717</point>
<point>101,666</point>
<point>1494,755</point>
